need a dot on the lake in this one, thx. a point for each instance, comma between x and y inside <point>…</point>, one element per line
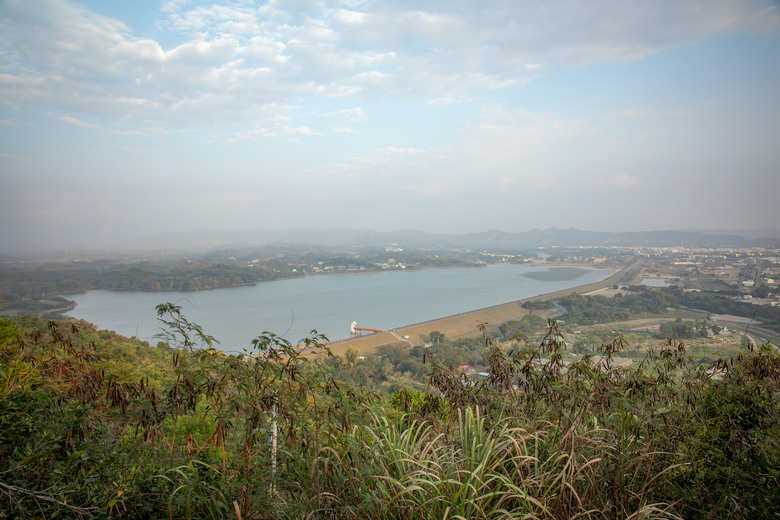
<point>328,303</point>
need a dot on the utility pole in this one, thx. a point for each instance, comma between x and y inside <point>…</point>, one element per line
<point>273,448</point>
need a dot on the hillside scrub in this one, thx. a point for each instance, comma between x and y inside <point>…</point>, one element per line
<point>274,434</point>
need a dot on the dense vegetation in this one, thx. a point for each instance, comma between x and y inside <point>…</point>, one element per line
<point>767,314</point>
<point>279,434</point>
<point>681,329</point>
<point>642,301</point>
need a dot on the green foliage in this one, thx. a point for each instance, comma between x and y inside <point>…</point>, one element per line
<point>479,476</point>
<point>732,444</point>
<point>198,491</point>
<point>524,328</point>
<point>598,309</point>
<point>436,337</point>
<point>274,433</point>
<point>408,399</point>
<point>351,356</point>
<point>684,329</point>
<point>538,305</point>
<point>8,331</point>
<point>129,359</point>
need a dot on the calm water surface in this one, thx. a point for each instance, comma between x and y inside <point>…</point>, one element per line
<point>328,303</point>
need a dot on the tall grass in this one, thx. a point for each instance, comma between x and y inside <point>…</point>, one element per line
<point>536,440</point>
<point>427,475</point>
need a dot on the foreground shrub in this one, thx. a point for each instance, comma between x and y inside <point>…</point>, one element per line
<point>276,434</point>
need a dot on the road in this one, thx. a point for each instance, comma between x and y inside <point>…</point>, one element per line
<point>746,325</point>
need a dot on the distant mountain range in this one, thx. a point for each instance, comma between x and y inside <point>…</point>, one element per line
<point>493,239</point>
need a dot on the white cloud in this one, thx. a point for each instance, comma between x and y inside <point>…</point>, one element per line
<point>349,17</point>
<point>213,19</point>
<point>278,130</point>
<point>144,132</point>
<point>257,132</point>
<point>442,101</point>
<point>303,130</point>
<point>203,53</point>
<point>75,122</point>
<point>170,6</point>
<point>350,114</point>
<point>400,151</point>
<point>234,59</point>
<point>265,48</point>
<point>370,76</point>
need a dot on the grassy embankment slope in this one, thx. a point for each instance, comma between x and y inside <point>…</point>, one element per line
<point>465,324</point>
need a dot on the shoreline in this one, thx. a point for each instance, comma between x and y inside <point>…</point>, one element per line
<point>464,321</point>
<point>378,271</point>
<point>464,324</point>
<point>296,277</point>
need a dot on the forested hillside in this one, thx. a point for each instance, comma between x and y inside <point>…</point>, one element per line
<point>93,425</point>
<point>36,290</point>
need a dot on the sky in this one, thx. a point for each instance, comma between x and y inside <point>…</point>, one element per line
<point>123,119</point>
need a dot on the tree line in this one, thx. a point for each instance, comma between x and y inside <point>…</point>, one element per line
<point>37,290</point>
<point>641,301</point>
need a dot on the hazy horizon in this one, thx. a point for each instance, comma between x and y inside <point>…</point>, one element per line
<point>209,240</point>
<point>120,120</point>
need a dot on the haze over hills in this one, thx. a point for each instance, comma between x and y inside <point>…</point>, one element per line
<point>209,240</point>
<point>491,239</point>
